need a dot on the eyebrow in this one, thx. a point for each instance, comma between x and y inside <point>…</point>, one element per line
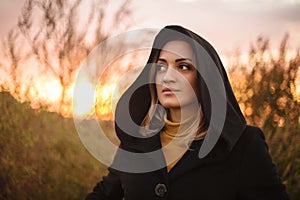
<point>177,60</point>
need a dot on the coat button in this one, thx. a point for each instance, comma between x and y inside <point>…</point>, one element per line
<point>160,189</point>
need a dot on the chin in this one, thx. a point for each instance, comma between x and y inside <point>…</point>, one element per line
<point>170,105</point>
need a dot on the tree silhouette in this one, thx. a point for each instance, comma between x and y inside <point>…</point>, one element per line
<point>56,36</point>
<point>267,92</point>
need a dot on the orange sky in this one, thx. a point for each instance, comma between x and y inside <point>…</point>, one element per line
<point>228,24</point>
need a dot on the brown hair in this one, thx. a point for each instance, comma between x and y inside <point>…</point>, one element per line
<point>198,128</point>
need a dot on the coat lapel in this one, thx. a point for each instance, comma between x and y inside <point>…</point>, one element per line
<point>191,160</point>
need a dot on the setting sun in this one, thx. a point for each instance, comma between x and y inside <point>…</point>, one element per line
<point>93,100</point>
<point>53,90</point>
<point>104,101</point>
<point>83,104</point>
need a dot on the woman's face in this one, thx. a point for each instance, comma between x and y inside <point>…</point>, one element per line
<point>176,75</point>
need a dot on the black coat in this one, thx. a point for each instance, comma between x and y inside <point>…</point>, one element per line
<point>239,165</point>
<point>247,172</point>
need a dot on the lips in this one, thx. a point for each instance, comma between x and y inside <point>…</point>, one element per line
<point>169,90</point>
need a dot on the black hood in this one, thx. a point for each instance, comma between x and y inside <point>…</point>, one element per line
<point>136,100</point>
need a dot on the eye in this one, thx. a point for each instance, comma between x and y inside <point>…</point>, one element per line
<point>185,67</point>
<point>161,67</point>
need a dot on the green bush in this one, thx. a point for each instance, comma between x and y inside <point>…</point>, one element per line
<point>266,89</point>
<point>42,156</point>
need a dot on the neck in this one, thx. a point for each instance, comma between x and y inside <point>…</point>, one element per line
<point>181,113</point>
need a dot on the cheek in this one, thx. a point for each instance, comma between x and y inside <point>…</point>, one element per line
<point>158,78</point>
<point>193,83</point>
<point>158,88</point>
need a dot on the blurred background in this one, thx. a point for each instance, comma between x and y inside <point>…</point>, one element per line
<point>43,44</point>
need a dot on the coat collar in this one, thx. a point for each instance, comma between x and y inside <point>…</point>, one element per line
<point>191,159</point>
<point>136,100</point>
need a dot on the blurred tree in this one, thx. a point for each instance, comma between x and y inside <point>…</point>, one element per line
<point>267,92</point>
<point>42,156</point>
<point>56,36</point>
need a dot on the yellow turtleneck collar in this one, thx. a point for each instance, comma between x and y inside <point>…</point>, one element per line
<point>173,151</point>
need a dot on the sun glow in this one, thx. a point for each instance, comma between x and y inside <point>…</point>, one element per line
<point>48,91</point>
<point>53,90</point>
<point>94,101</point>
<point>98,100</point>
<point>104,101</point>
<point>83,104</point>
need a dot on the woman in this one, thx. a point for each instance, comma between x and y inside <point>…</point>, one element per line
<point>182,108</point>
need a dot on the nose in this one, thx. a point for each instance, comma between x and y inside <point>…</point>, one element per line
<point>169,76</point>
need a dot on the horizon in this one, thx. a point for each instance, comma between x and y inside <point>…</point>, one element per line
<point>232,45</point>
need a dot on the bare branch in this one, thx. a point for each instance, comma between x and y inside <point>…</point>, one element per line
<point>54,38</point>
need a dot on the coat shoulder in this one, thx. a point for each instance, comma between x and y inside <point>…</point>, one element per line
<point>251,138</point>
<point>258,176</point>
<point>253,132</point>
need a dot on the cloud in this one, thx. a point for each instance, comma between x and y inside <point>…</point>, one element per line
<point>263,1</point>
<point>187,1</point>
<point>288,12</point>
<point>9,11</point>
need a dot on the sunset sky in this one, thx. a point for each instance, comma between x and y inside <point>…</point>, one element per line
<point>229,25</point>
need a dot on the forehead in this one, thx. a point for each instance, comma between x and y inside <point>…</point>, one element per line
<point>178,48</point>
